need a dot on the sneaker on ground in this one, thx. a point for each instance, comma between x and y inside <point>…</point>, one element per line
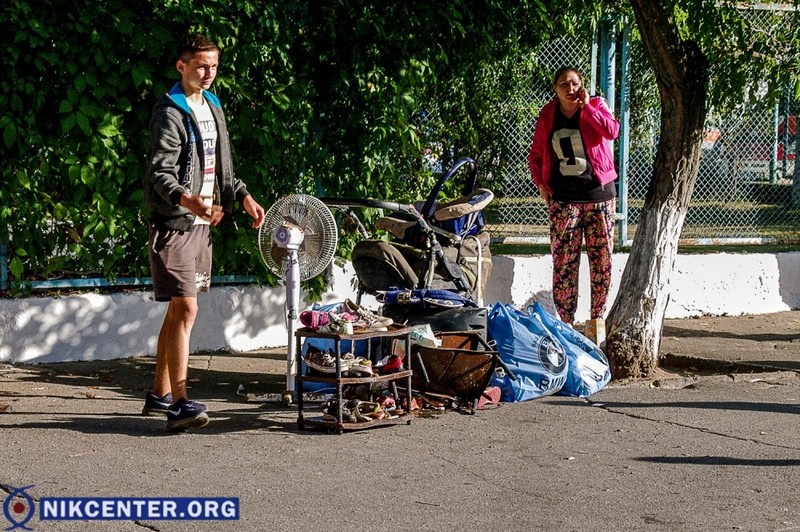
<point>366,314</point>
<point>184,414</point>
<point>155,405</point>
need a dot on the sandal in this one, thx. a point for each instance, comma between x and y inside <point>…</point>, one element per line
<point>366,411</point>
<point>348,411</point>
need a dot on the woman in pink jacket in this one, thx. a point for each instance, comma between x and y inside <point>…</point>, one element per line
<point>572,164</point>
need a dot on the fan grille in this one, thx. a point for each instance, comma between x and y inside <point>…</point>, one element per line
<point>320,238</point>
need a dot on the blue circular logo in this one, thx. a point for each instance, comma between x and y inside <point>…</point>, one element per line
<point>552,355</point>
<point>18,507</point>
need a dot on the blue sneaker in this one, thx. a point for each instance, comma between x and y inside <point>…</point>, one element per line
<point>184,414</point>
<point>155,405</point>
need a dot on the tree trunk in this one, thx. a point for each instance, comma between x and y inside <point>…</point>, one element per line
<point>635,321</point>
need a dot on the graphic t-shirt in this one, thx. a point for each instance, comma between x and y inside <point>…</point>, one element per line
<point>572,177</point>
<point>208,130</point>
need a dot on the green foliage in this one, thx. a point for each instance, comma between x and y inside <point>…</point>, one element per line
<point>72,139</point>
<point>325,98</point>
<point>753,53</point>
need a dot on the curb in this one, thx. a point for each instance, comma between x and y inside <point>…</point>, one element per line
<point>671,360</point>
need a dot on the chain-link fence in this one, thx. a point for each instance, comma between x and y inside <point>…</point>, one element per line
<point>745,181</point>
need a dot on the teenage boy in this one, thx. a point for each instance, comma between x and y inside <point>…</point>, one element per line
<point>190,186</point>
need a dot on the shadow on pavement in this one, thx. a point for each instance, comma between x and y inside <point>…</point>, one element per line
<point>227,421</point>
<point>680,332</point>
<point>719,461</point>
<point>743,406</point>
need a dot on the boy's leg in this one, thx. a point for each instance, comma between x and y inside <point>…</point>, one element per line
<point>173,344</point>
<point>180,262</point>
<point>161,385</point>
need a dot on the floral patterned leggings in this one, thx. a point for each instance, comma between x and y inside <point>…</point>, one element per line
<point>570,223</point>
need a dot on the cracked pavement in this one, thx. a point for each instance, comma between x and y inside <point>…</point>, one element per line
<point>697,448</point>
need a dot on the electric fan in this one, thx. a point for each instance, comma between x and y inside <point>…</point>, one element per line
<point>297,241</point>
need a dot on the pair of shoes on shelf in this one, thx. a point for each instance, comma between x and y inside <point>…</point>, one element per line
<point>368,411</point>
<point>320,361</point>
<point>328,322</point>
<point>354,411</point>
<point>155,405</point>
<point>373,321</point>
<point>184,414</point>
<point>326,362</point>
<point>362,367</point>
<point>330,410</point>
<point>349,317</point>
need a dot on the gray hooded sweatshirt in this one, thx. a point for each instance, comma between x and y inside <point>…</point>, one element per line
<point>175,161</point>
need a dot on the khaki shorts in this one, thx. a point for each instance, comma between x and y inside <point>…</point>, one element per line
<point>180,261</point>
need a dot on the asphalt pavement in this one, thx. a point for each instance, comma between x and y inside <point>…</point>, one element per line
<point>710,443</point>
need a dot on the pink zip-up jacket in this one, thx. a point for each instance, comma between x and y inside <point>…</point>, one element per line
<point>598,128</point>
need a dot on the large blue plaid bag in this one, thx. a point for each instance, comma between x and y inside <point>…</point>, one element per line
<point>588,370</point>
<point>530,351</point>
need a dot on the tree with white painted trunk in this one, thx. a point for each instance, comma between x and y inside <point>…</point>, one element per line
<point>701,54</point>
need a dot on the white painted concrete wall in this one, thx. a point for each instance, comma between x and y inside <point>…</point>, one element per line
<point>94,326</point>
<point>702,284</point>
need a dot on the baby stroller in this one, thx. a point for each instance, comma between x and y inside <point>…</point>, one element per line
<point>433,246</point>
<point>433,270</point>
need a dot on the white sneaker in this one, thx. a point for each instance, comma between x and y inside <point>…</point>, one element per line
<point>373,320</point>
<point>362,366</point>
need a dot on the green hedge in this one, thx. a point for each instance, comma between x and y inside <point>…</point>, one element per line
<point>322,98</point>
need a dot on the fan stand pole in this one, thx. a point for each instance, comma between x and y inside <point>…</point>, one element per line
<point>289,396</point>
<point>292,302</point>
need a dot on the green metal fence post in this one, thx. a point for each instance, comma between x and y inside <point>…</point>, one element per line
<point>773,152</point>
<point>624,135</point>
<point>608,60</point>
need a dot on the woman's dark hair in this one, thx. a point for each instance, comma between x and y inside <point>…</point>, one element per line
<point>194,43</point>
<point>563,70</point>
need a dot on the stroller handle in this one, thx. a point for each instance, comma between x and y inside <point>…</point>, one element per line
<point>375,204</point>
<point>469,185</point>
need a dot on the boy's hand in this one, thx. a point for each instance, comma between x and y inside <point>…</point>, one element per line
<point>198,205</point>
<point>255,211</point>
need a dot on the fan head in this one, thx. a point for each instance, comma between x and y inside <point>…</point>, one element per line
<point>319,235</point>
